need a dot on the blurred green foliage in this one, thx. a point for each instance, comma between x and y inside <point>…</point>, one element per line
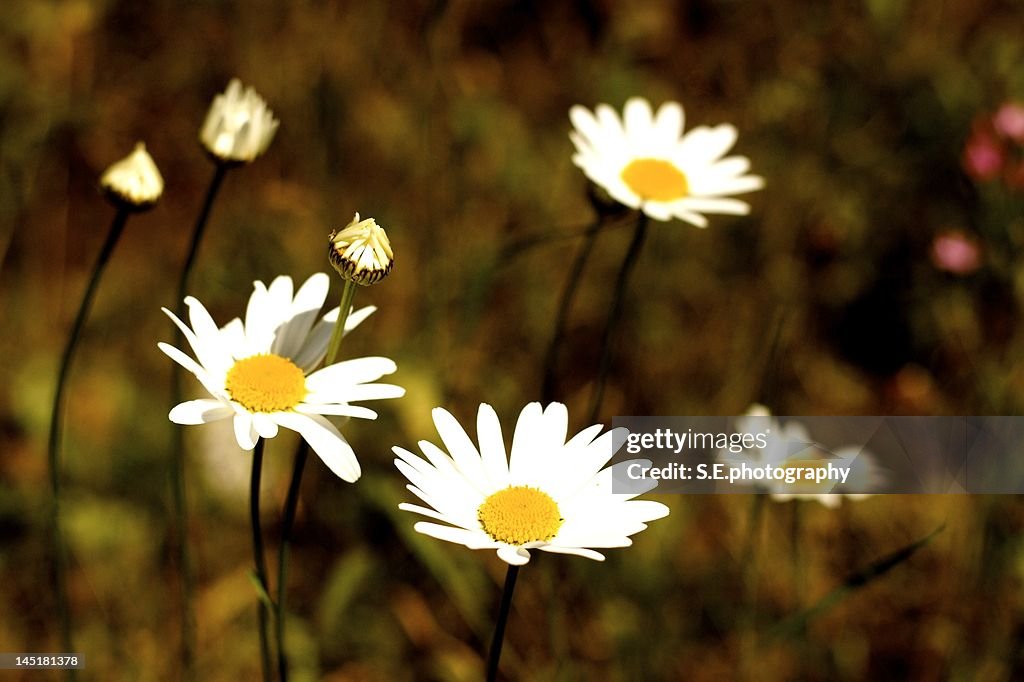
<point>447,121</point>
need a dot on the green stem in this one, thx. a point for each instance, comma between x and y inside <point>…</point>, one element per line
<point>56,427</point>
<point>615,312</point>
<point>564,306</point>
<point>291,502</point>
<point>181,547</point>
<point>347,294</point>
<point>258,558</point>
<point>494,656</point>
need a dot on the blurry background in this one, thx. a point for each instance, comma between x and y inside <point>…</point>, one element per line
<point>448,123</point>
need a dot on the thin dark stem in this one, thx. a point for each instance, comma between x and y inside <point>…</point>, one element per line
<point>220,170</point>
<point>748,560</point>
<point>749,567</point>
<point>615,312</point>
<point>519,246</point>
<point>188,616</point>
<point>257,551</point>
<point>56,428</point>
<point>795,532</point>
<point>291,502</point>
<point>290,505</point>
<point>499,627</point>
<point>547,391</point>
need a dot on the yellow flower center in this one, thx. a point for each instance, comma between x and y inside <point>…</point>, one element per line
<point>266,383</point>
<point>656,179</point>
<point>520,514</point>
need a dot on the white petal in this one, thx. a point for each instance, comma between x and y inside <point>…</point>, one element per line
<point>713,187</point>
<point>461,449</point>
<point>712,205</point>
<point>585,437</point>
<point>190,336</point>
<point>556,424</point>
<point>245,434</point>
<point>302,313</point>
<point>429,513</point>
<point>695,219</point>
<point>264,425</point>
<point>280,291</point>
<point>346,394</point>
<point>315,347</point>
<point>457,476</point>
<point>350,373</point>
<point>492,447</point>
<point>201,411</point>
<point>356,317</point>
<point>639,121</point>
<point>526,445</point>
<point>579,551</point>
<point>233,334</point>
<point>215,389</point>
<point>472,539</point>
<point>657,210</point>
<point>516,556</point>
<point>212,352</point>
<point>705,145</point>
<point>326,441</point>
<point>259,323</point>
<point>668,123</point>
<point>587,125</point>
<point>337,410</point>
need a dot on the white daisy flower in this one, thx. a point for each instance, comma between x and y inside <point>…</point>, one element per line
<point>790,446</point>
<point>260,372</point>
<point>549,494</point>
<point>238,127</point>
<point>645,162</point>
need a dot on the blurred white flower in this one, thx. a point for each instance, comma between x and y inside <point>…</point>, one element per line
<point>549,494</point>
<point>791,447</point>
<point>361,251</point>
<point>645,162</point>
<point>260,372</point>
<point>239,127</point>
<point>134,181</point>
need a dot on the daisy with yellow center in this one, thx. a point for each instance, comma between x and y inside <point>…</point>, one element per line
<point>791,447</point>
<point>260,372</point>
<point>644,161</point>
<point>549,494</point>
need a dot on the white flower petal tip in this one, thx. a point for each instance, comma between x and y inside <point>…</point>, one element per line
<point>134,182</point>
<point>550,493</point>
<point>644,161</point>
<point>238,127</point>
<point>259,372</point>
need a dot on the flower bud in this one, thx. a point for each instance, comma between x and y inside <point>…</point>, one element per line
<point>133,182</point>
<point>361,252</point>
<point>239,127</point>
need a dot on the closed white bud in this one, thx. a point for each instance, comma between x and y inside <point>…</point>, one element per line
<point>134,181</point>
<point>239,127</point>
<point>361,252</point>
